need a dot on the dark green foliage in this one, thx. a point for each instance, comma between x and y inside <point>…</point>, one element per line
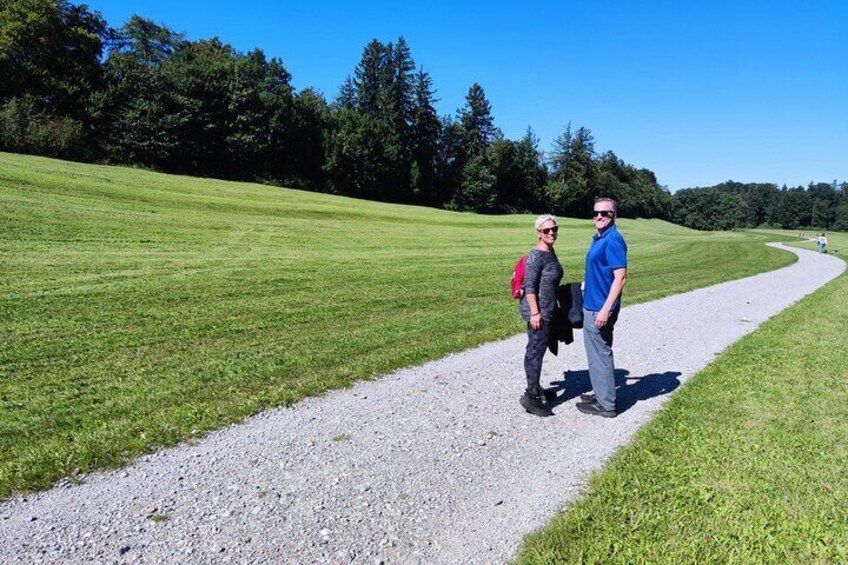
<point>146,116</point>
<point>477,122</point>
<point>703,209</point>
<point>637,191</point>
<point>793,209</point>
<point>451,158</point>
<point>145,40</point>
<point>26,127</point>
<point>356,155</point>
<point>840,218</point>
<point>50,50</point>
<point>426,133</point>
<point>573,187</point>
<point>477,190</point>
<point>198,107</point>
<point>518,172</point>
<point>50,66</point>
<point>371,148</point>
<point>736,205</point>
<point>370,75</point>
<point>310,121</point>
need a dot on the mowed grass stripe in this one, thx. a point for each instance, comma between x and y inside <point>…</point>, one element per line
<point>139,309</point>
<point>745,464</point>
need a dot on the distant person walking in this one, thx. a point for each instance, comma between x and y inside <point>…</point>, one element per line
<point>822,243</point>
<point>606,275</point>
<point>542,276</point>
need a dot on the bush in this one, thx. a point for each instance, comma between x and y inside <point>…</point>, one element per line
<point>24,128</point>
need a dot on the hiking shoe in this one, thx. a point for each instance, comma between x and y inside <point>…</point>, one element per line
<point>588,398</point>
<point>595,409</point>
<point>535,406</point>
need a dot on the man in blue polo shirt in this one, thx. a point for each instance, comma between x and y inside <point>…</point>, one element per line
<point>606,275</point>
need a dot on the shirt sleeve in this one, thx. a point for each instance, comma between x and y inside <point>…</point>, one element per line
<point>616,253</point>
<point>532,274</point>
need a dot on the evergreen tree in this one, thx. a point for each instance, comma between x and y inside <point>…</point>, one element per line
<point>573,188</point>
<point>477,122</point>
<point>477,190</point>
<point>143,116</point>
<point>370,79</point>
<point>426,131</point>
<point>534,174</point>
<point>561,156</point>
<point>450,160</point>
<point>259,136</point>
<point>145,40</point>
<point>346,98</point>
<point>400,88</point>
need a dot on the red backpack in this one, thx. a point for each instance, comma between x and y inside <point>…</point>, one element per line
<point>517,282</point>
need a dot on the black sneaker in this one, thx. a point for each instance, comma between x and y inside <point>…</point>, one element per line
<point>550,394</point>
<point>595,409</point>
<point>588,398</point>
<point>535,406</point>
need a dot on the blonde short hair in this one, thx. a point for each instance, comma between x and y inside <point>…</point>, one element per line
<point>545,218</point>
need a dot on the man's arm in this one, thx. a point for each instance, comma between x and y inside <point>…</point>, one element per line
<point>618,282</point>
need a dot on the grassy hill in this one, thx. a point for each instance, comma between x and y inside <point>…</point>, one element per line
<point>138,309</point>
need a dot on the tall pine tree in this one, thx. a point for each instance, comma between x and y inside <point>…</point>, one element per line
<point>426,130</point>
<point>477,122</point>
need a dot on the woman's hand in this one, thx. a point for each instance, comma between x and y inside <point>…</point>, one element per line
<point>536,321</point>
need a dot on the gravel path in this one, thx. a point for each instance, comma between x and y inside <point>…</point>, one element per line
<point>431,464</point>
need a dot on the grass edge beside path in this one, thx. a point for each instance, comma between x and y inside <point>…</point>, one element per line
<point>745,464</point>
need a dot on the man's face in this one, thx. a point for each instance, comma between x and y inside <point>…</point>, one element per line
<point>603,215</point>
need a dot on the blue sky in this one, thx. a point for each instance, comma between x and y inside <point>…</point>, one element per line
<point>698,92</point>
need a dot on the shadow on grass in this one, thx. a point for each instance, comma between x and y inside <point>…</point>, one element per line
<point>629,389</point>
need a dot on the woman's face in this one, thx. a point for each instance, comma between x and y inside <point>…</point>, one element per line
<point>547,232</point>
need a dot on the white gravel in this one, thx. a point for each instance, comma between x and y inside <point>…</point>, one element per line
<point>431,464</point>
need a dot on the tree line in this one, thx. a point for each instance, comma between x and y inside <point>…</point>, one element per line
<point>73,87</point>
<point>732,205</point>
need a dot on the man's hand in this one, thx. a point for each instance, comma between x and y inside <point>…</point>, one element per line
<point>602,317</point>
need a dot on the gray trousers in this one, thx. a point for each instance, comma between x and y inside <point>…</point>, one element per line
<point>598,343</point>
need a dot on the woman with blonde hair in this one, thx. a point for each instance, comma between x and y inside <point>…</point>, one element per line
<point>542,275</point>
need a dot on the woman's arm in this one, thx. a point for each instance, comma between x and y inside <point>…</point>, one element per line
<point>532,278</point>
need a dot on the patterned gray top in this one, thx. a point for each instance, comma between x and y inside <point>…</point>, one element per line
<point>542,275</point>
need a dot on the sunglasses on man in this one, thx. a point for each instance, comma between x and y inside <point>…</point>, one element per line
<point>603,213</point>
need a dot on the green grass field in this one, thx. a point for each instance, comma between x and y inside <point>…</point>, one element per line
<point>745,464</point>
<point>140,309</point>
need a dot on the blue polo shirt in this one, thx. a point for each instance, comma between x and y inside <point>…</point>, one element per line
<point>607,252</point>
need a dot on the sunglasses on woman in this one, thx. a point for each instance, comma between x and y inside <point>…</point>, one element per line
<point>546,231</point>
<point>603,213</point>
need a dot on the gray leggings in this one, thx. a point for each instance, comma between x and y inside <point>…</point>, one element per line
<point>537,344</point>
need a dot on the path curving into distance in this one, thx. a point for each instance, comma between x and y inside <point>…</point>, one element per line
<point>431,464</point>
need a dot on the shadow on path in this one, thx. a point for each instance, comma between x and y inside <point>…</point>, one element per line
<point>629,389</point>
